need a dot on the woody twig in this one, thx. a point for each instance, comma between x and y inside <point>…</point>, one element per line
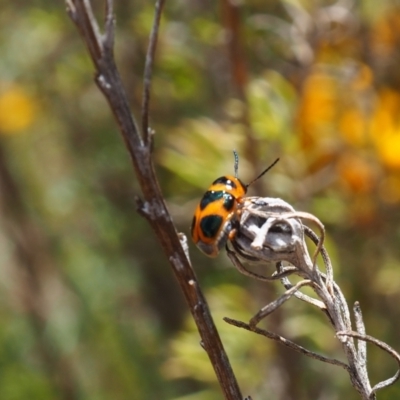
<point>138,139</point>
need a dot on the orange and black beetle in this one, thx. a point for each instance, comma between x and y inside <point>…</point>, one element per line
<point>217,215</point>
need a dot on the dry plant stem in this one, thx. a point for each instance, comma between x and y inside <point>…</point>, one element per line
<point>153,208</point>
<point>361,345</point>
<point>319,243</point>
<point>271,307</point>
<point>335,307</point>
<point>243,270</point>
<point>383,346</point>
<point>271,231</point>
<point>328,267</point>
<point>286,342</point>
<point>303,297</point>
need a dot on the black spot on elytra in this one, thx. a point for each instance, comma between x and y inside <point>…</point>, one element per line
<point>229,202</point>
<point>210,225</point>
<point>209,197</point>
<point>224,181</point>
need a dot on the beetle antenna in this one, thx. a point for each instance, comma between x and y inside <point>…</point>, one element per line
<point>236,165</point>
<point>262,173</point>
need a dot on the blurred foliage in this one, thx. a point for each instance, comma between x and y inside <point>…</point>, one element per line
<point>89,309</point>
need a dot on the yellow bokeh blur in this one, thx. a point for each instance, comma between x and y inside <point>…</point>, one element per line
<point>385,128</point>
<point>352,126</point>
<point>17,110</point>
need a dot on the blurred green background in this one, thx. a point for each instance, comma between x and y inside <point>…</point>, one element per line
<point>89,308</point>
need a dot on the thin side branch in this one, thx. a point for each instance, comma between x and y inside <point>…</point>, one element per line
<point>286,342</point>
<point>271,307</point>
<point>108,37</point>
<point>303,297</point>
<point>148,70</point>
